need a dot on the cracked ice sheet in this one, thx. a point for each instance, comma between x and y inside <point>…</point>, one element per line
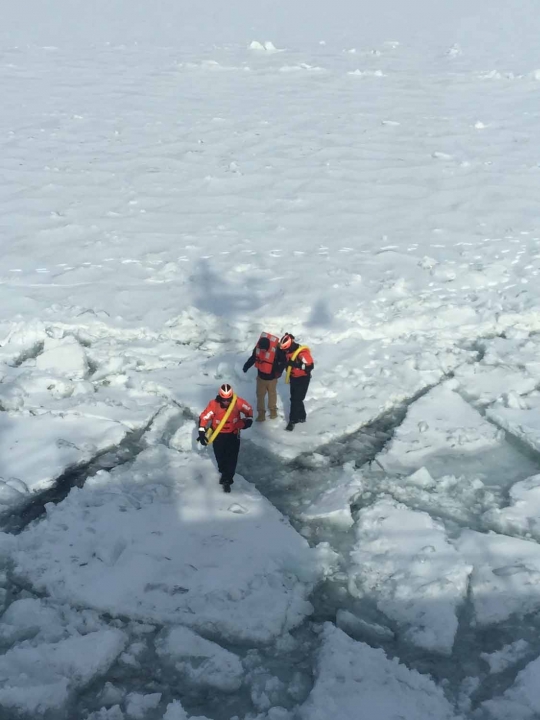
<point>485,385</point>
<point>460,498</point>
<point>160,541</point>
<point>521,701</point>
<point>28,389</point>
<point>507,656</point>
<point>36,450</point>
<point>361,385</point>
<point>200,662</point>
<point>354,680</point>
<point>341,404</point>
<point>57,382</point>
<point>509,368</point>
<point>333,504</point>
<point>520,416</point>
<point>522,515</point>
<point>506,575</point>
<point>515,355</point>
<point>403,560</point>
<point>53,652</point>
<point>438,426</point>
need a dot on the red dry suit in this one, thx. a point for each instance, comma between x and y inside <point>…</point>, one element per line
<point>213,413</point>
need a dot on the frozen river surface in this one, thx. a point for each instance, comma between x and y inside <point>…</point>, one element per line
<point>172,187</point>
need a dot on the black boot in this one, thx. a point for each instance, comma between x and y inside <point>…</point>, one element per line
<point>226,487</point>
<point>290,426</point>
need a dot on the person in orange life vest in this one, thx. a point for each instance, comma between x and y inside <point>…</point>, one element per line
<point>270,362</point>
<point>301,368</point>
<point>227,443</point>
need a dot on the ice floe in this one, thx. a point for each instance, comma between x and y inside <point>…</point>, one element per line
<point>522,515</point>
<point>38,679</point>
<point>506,575</point>
<point>519,417</point>
<point>521,701</point>
<point>352,677</point>
<point>159,540</point>
<point>200,662</point>
<point>439,424</point>
<point>404,562</point>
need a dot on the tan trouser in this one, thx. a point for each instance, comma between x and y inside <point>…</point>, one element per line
<point>263,387</point>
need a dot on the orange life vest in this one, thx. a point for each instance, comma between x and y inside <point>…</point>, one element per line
<point>264,359</point>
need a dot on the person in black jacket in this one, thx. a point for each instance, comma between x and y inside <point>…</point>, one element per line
<point>270,363</point>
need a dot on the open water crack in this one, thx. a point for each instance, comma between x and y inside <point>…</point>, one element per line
<point>15,521</point>
<point>283,484</point>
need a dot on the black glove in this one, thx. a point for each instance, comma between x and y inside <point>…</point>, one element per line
<point>202,438</point>
<point>248,422</point>
<point>246,367</point>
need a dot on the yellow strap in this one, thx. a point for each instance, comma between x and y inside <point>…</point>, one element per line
<point>213,435</point>
<point>295,354</point>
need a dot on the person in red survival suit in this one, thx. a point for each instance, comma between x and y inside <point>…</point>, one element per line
<point>270,363</point>
<point>227,443</point>
<point>301,365</point>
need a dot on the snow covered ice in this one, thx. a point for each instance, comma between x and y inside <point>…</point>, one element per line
<point>37,679</point>
<point>439,425</point>
<point>172,183</point>
<point>522,516</point>
<point>404,561</point>
<point>159,541</point>
<point>200,661</point>
<point>351,677</point>
<point>57,651</point>
<point>520,701</point>
<point>505,575</point>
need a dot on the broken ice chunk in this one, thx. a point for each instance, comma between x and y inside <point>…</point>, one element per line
<point>353,678</point>
<point>34,680</point>
<point>506,575</point>
<point>362,629</point>
<point>199,661</point>
<point>403,560</point>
